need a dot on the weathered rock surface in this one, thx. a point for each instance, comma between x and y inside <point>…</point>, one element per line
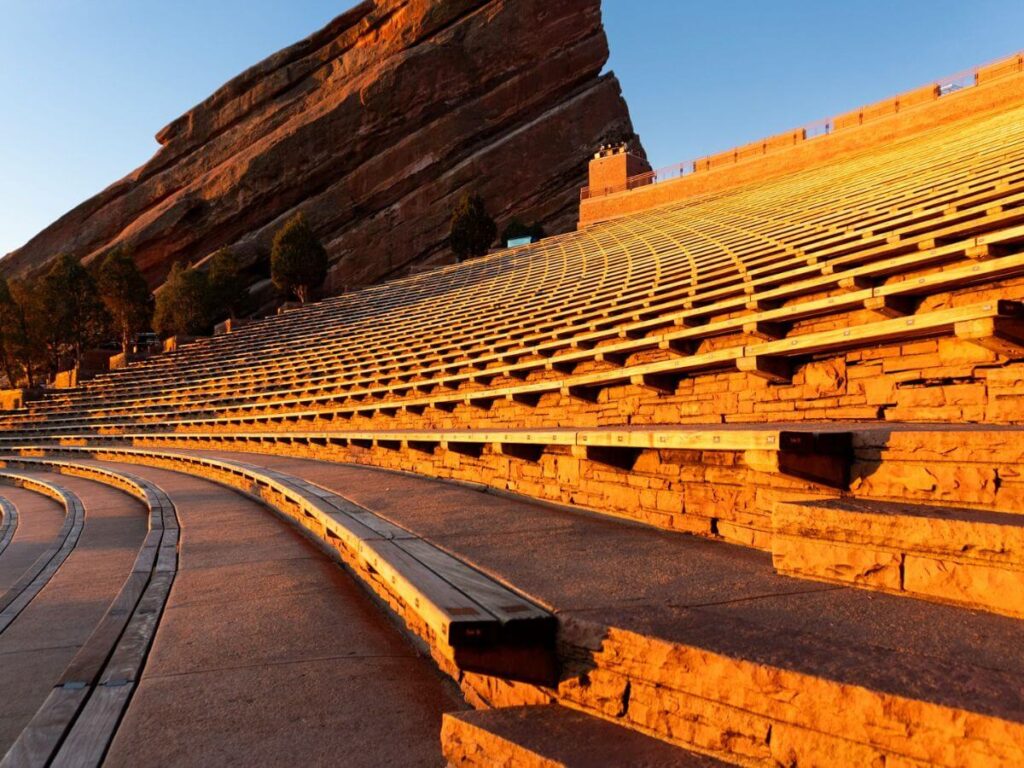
<point>371,127</point>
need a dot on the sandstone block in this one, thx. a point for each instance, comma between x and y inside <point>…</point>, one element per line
<point>993,588</point>
<point>832,561</point>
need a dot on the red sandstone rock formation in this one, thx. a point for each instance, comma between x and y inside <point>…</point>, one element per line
<point>372,127</point>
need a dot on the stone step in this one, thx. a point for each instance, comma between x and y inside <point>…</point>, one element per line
<point>804,679</point>
<point>963,556</point>
<point>554,737</point>
<point>699,643</point>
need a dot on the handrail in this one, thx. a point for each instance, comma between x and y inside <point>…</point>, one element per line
<point>945,86</point>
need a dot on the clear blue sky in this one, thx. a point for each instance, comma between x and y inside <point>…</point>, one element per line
<point>85,84</point>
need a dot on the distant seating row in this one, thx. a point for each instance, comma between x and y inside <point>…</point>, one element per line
<point>642,275</point>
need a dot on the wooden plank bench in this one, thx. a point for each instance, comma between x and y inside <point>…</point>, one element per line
<point>38,575</point>
<point>474,622</point>
<point>8,523</point>
<point>822,456</point>
<point>77,721</point>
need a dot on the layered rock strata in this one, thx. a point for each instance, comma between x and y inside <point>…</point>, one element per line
<point>372,127</point>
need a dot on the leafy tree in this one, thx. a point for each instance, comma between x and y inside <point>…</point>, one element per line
<point>9,312</point>
<point>472,230</point>
<point>75,318</point>
<point>516,229</point>
<point>27,334</point>
<point>183,303</point>
<point>125,294</point>
<point>298,261</point>
<point>227,291</point>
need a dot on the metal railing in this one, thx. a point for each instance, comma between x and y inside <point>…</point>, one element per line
<point>642,180</point>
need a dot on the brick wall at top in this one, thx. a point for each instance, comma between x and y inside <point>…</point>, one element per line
<point>1000,86</point>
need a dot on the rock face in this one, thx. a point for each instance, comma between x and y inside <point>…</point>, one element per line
<point>372,127</point>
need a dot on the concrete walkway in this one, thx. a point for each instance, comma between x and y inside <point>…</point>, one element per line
<point>42,640</point>
<point>684,589</point>
<point>39,520</point>
<point>269,654</point>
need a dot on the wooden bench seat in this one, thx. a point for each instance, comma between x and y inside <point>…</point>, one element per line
<point>38,575</point>
<point>819,455</point>
<point>8,523</point>
<point>77,721</point>
<point>478,624</point>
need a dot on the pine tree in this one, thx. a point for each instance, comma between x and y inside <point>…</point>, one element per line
<point>227,292</point>
<point>183,303</point>
<point>472,230</point>
<point>8,333</point>
<point>125,294</point>
<point>75,316</point>
<point>27,334</point>
<point>298,261</point>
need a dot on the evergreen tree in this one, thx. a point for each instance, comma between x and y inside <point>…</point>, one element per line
<point>8,334</point>
<point>298,261</point>
<point>27,336</point>
<point>472,230</point>
<point>125,294</point>
<point>183,303</point>
<point>227,292</point>
<point>75,318</point>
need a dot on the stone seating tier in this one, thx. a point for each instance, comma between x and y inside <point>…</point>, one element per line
<point>888,233</point>
<point>825,367</point>
<point>772,670</point>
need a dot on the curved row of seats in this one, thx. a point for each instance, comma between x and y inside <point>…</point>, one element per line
<point>8,523</point>
<point>736,673</point>
<point>469,620</point>
<point>32,581</point>
<point>780,258</point>
<point>77,721</point>
<point>878,625</point>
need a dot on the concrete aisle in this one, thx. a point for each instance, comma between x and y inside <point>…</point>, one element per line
<point>45,636</point>
<point>688,590</point>
<point>269,654</point>
<point>39,521</point>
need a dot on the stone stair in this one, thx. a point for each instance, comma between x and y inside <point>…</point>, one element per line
<point>697,643</point>
<point>553,737</point>
<point>968,557</point>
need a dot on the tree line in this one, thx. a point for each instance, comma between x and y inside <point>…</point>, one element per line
<point>48,322</point>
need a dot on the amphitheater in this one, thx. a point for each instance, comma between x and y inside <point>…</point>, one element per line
<point>732,475</point>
